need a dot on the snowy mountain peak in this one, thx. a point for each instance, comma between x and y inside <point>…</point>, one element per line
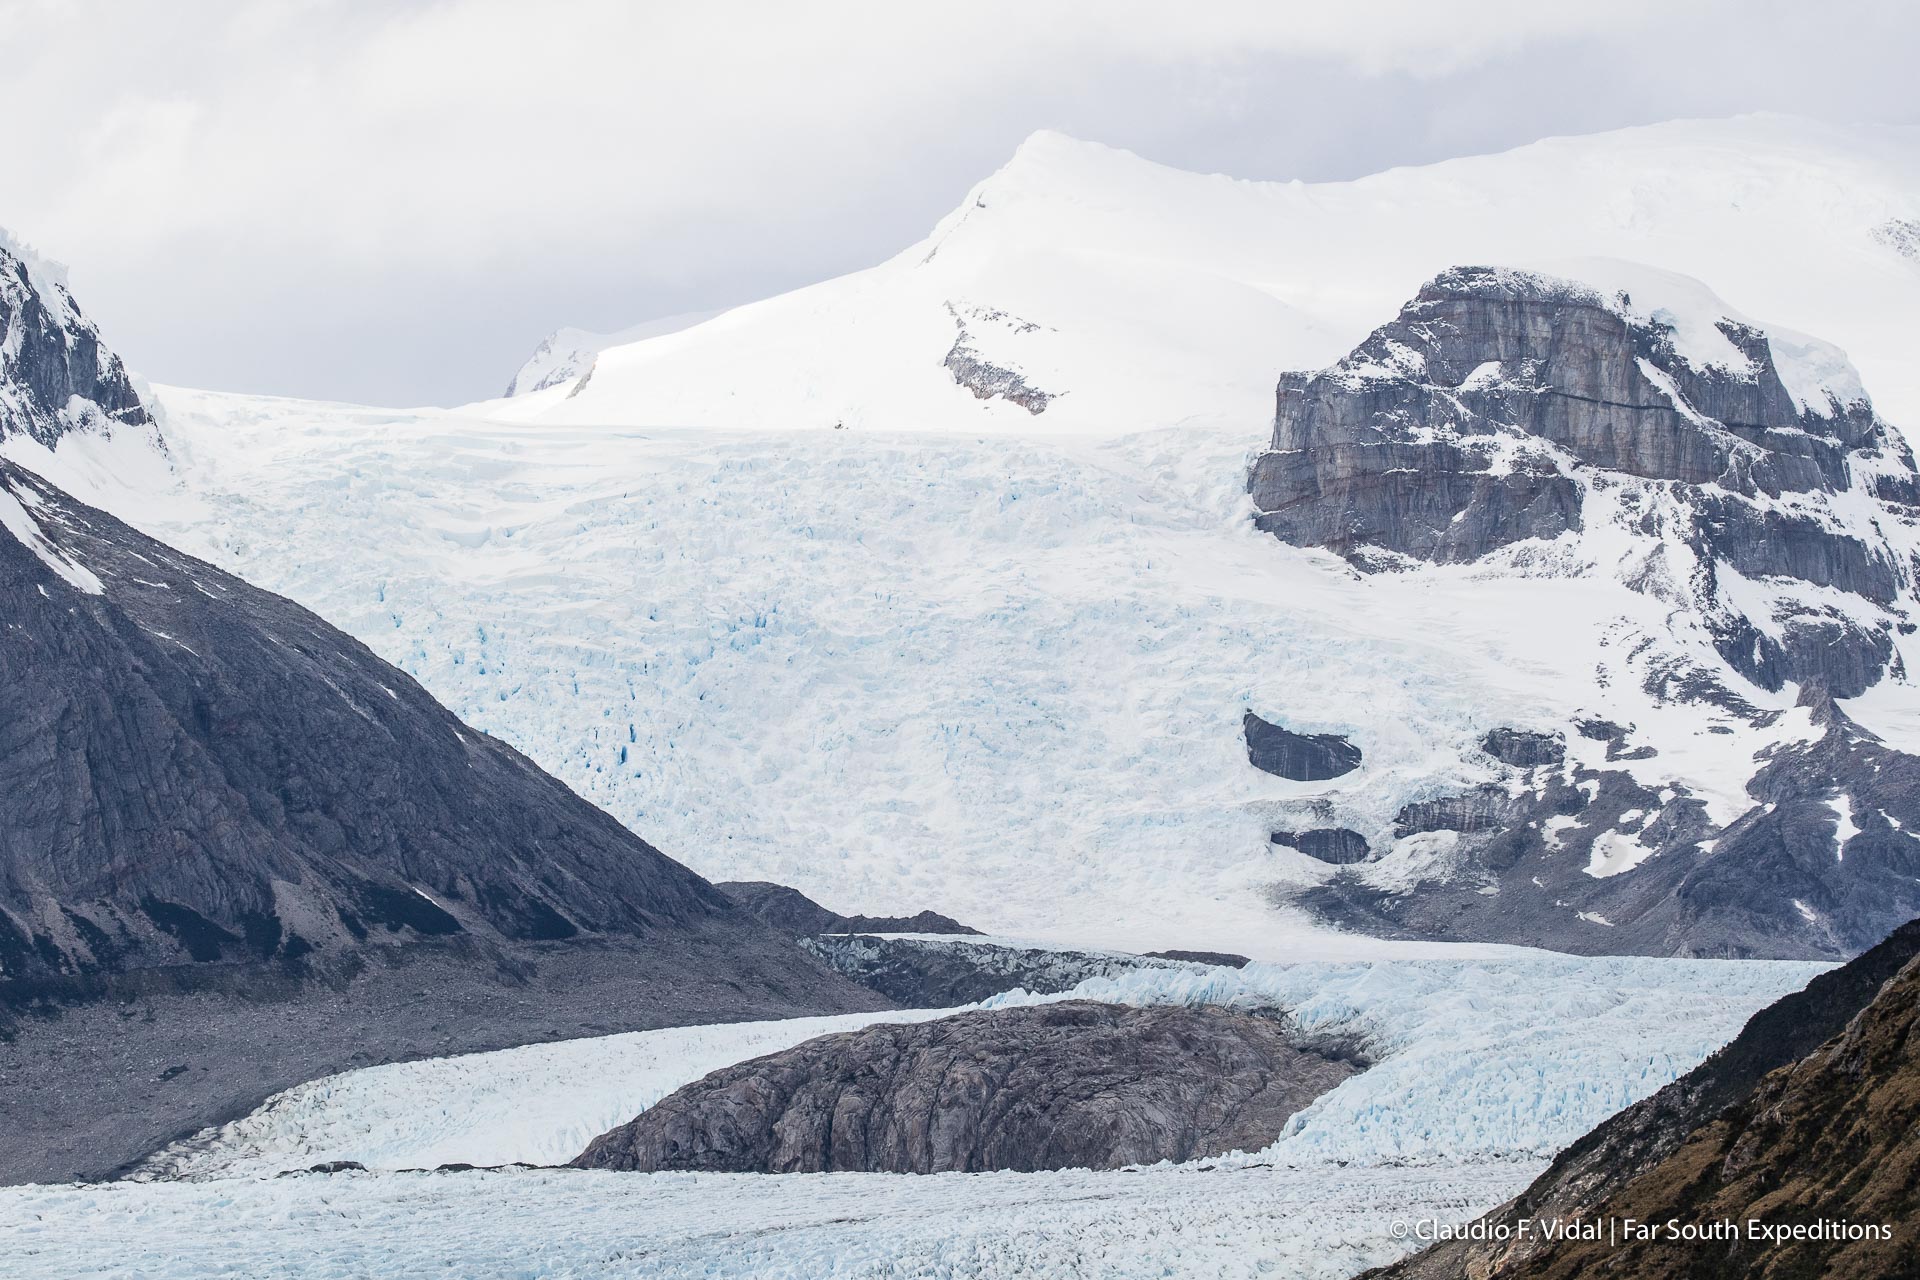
<point>1151,296</point>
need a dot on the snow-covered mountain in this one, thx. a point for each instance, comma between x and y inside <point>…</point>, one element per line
<point>1630,431</point>
<point>1084,289</point>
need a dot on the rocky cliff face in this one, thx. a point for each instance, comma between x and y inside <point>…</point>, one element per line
<point>1069,1085</point>
<point>1639,435</point>
<point>1589,859</point>
<point>1808,1114</point>
<point>219,800</point>
<point>1503,407</point>
<point>56,376</point>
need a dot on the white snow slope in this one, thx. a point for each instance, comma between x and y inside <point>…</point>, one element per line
<point>1486,1069</point>
<point>1141,296</point>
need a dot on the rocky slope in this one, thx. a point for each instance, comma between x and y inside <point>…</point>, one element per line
<point>935,973</point>
<point>1619,1161</point>
<point>243,851</point>
<point>56,375</point>
<point>791,911</point>
<point>1530,426</point>
<point>1825,1152</point>
<point>1070,1085</point>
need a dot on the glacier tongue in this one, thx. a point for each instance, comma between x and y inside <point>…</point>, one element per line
<point>1485,1069</point>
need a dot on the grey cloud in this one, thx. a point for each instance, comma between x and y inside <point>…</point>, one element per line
<point>393,203</point>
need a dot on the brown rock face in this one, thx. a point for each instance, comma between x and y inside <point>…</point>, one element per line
<point>1832,1138</point>
<point>1807,1116</point>
<point>1071,1085</point>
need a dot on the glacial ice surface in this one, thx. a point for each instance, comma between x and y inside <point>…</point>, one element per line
<point>1485,1068</point>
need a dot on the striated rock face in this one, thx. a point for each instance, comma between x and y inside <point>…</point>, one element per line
<point>207,771</point>
<point>1503,407</point>
<point>1057,1086</point>
<point>1336,845</point>
<point>1523,749</point>
<point>1807,1115</point>
<point>56,376</point>
<point>1299,756</point>
<point>239,843</point>
<point>1750,531</point>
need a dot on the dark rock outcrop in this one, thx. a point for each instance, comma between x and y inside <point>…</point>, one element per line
<point>1773,527</point>
<point>1472,421</point>
<point>1070,1085</point>
<point>937,974</point>
<point>1617,737</point>
<point>981,376</point>
<point>1337,845</point>
<point>1524,749</point>
<point>56,375</point>
<point>1299,756</point>
<point>1212,959</point>
<point>793,912</point>
<point>240,844</point>
<point>1828,1134</point>
<point>1777,882</point>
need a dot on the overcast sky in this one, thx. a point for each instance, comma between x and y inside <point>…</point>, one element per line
<point>393,202</point>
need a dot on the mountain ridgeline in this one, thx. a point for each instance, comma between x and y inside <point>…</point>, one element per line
<point>1522,425</point>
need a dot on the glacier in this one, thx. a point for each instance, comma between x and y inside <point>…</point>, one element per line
<point>1485,1069</point>
<point>1001,678</point>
